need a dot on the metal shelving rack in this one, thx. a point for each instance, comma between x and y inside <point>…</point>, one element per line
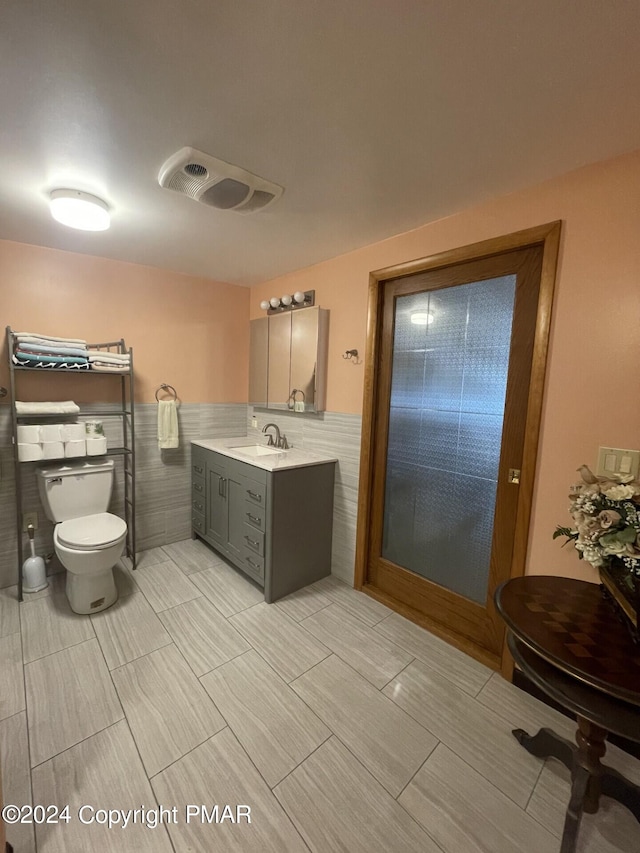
<point>127,450</point>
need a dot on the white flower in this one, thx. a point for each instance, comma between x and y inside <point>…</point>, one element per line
<point>620,492</point>
<point>616,548</point>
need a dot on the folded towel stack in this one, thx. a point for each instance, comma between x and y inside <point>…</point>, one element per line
<point>109,362</point>
<point>65,407</point>
<point>33,350</point>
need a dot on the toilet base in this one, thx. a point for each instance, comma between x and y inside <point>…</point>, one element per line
<point>92,592</point>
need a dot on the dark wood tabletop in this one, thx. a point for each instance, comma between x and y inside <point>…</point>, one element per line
<point>570,624</point>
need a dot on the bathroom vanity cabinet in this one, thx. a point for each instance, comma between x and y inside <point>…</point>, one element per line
<point>275,526</point>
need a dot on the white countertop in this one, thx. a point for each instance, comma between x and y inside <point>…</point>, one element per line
<point>273,462</point>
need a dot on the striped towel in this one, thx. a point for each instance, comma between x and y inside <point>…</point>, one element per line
<point>69,359</point>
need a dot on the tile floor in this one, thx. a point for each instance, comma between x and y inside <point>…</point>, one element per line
<point>343,726</point>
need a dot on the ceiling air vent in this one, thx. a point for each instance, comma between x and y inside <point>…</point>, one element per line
<point>216,183</point>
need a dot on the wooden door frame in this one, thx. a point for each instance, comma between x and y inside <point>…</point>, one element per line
<point>548,237</point>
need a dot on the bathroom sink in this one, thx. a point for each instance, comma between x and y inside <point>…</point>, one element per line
<point>256,449</point>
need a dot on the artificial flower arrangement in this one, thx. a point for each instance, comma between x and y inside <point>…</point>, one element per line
<point>606,533</point>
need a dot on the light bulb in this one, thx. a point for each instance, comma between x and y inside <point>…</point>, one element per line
<point>79,210</point>
<point>422,318</point>
<point>286,299</point>
<point>264,304</point>
<point>274,302</point>
<point>298,296</point>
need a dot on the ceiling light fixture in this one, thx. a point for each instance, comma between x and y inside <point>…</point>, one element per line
<point>421,318</point>
<point>80,210</point>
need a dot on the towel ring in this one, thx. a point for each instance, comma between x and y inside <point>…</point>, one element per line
<point>165,387</point>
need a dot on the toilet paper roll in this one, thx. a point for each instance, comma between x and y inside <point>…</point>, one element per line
<point>51,432</point>
<point>94,428</point>
<point>75,448</point>
<point>96,446</point>
<point>73,432</point>
<point>29,452</point>
<point>52,450</point>
<point>29,434</point>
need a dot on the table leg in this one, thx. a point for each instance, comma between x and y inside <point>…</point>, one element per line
<point>574,810</point>
<point>591,747</point>
<point>547,743</point>
<point>616,786</point>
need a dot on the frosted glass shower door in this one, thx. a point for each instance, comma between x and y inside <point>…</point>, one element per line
<point>448,387</point>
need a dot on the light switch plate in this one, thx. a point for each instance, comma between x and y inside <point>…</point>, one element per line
<point>615,460</point>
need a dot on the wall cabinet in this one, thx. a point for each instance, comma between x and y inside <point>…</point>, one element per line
<point>273,525</point>
<point>288,353</point>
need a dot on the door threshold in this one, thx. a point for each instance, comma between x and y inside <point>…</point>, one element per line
<point>459,642</point>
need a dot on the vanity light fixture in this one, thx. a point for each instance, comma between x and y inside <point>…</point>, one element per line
<point>289,302</point>
<point>80,210</point>
<point>421,318</point>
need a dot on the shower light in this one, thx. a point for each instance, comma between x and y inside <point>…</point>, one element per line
<point>80,210</point>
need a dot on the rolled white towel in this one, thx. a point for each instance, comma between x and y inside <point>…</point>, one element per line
<point>52,450</point>
<point>75,448</point>
<point>29,434</point>
<point>73,432</point>
<point>105,355</point>
<point>51,432</point>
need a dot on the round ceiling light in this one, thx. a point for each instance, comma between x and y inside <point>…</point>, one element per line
<point>80,210</point>
<point>422,318</point>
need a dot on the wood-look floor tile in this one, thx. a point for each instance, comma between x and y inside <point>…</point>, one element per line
<point>9,611</point>
<point>12,699</point>
<point>227,589</point>
<point>16,778</point>
<point>357,603</point>
<point>613,829</point>
<point>70,696</point>
<point>275,727</point>
<point>337,805</point>
<point>167,708</point>
<point>128,630</point>
<point>523,711</point>
<point>191,555</point>
<point>465,672</point>
<point>105,772</point>
<point>165,585</point>
<point>373,656</point>
<point>389,743</point>
<point>151,557</point>
<point>203,635</point>
<point>473,732</point>
<point>50,625</point>
<point>302,603</point>
<point>220,772</point>
<point>289,649</point>
<point>461,811</point>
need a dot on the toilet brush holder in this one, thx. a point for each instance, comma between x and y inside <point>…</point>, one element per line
<point>34,575</point>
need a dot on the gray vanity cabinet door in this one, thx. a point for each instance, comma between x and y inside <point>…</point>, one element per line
<point>217,505</point>
<point>235,499</point>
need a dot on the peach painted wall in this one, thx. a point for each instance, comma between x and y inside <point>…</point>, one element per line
<point>189,332</point>
<point>592,395</point>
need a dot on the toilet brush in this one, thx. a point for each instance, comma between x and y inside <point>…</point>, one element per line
<point>34,576</point>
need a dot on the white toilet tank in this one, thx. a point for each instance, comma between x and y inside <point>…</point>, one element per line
<point>75,489</point>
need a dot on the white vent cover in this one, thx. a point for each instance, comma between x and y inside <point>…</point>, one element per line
<point>216,183</point>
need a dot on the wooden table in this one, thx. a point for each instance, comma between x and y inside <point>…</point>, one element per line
<point>566,638</point>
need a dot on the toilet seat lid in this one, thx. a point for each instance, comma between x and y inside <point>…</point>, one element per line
<point>91,531</point>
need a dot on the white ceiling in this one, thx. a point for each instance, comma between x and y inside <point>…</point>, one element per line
<point>375,116</point>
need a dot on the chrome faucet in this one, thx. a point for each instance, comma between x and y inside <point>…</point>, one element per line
<point>271,442</point>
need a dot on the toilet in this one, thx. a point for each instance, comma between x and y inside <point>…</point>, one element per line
<point>88,540</point>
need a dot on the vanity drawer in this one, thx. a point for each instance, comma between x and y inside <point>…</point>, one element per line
<point>253,564</point>
<point>255,515</point>
<point>253,539</point>
<point>198,488</point>
<point>197,505</point>
<point>197,522</point>
<point>255,492</point>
